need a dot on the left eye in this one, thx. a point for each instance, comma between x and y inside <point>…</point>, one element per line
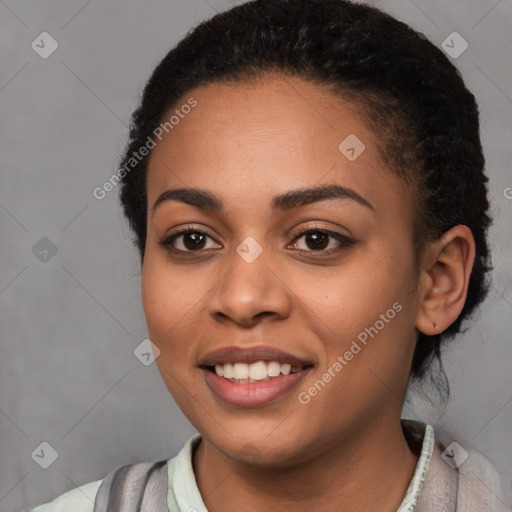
<point>317,240</point>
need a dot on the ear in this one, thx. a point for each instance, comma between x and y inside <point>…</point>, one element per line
<point>444,280</point>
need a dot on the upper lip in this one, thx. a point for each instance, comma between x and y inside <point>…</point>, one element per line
<point>235,354</point>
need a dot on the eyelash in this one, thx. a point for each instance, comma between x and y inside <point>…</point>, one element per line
<point>345,242</point>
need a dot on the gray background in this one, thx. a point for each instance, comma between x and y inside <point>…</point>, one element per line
<point>69,325</point>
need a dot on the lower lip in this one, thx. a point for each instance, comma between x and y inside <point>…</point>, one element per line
<point>251,394</point>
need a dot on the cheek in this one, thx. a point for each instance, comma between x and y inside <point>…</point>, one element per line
<point>364,310</point>
<point>169,299</point>
<point>347,297</point>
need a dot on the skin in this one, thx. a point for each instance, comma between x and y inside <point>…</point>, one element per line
<point>245,143</point>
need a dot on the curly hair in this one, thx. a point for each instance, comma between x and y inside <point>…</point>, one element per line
<point>408,91</point>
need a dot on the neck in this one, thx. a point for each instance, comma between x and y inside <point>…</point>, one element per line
<point>370,470</point>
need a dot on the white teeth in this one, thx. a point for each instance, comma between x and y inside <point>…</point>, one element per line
<point>274,369</point>
<point>241,371</point>
<point>258,371</point>
<point>254,372</point>
<point>286,369</point>
<point>229,371</point>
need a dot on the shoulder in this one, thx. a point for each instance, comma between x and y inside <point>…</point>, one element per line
<point>130,482</point>
<point>480,485</point>
<point>80,499</point>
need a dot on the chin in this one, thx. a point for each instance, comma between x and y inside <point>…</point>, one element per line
<point>255,447</point>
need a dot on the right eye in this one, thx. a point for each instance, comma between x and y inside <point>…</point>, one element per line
<point>192,240</point>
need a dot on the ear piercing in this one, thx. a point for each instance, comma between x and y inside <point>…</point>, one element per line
<point>435,326</point>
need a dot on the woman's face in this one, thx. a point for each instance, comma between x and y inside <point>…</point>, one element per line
<point>245,286</point>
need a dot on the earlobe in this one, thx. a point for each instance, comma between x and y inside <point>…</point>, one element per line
<point>445,280</point>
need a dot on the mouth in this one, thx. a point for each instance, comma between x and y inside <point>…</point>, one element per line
<point>260,371</point>
<point>252,377</point>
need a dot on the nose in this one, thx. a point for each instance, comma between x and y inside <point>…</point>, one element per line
<point>251,291</point>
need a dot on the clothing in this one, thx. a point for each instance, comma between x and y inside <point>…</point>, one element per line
<point>435,486</point>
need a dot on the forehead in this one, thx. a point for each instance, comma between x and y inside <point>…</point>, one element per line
<point>261,138</point>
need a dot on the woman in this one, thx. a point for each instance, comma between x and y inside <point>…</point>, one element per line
<point>305,182</point>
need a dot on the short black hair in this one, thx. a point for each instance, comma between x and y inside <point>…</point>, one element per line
<point>412,96</point>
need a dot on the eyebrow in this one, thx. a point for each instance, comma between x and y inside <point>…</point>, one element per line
<point>293,199</point>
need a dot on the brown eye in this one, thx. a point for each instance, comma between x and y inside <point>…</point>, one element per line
<point>193,240</point>
<point>190,240</point>
<point>317,240</point>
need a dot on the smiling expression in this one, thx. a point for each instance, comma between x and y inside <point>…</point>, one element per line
<point>268,252</point>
